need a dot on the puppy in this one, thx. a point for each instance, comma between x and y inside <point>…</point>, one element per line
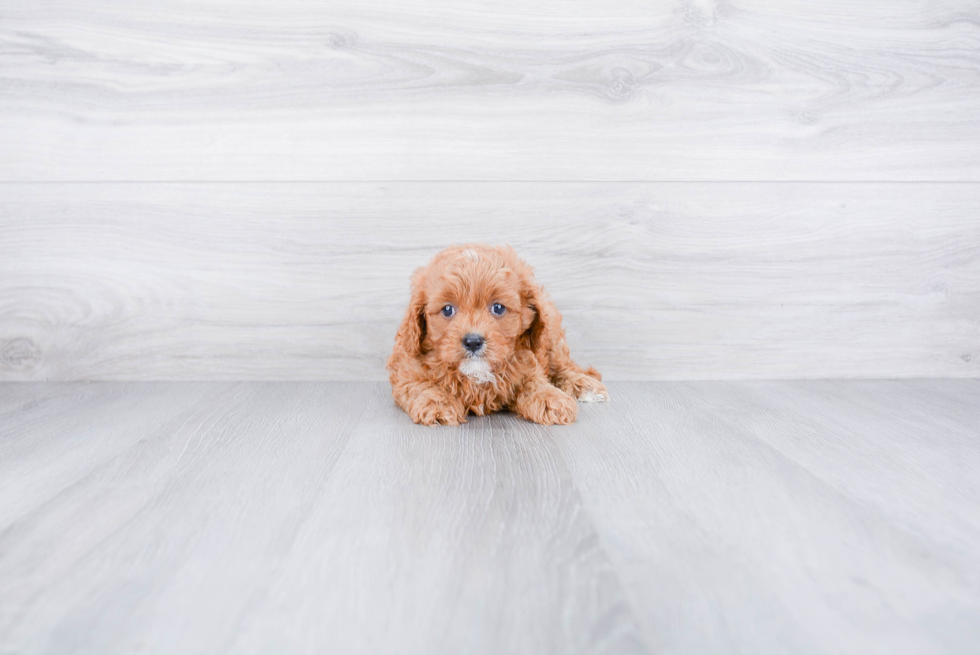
<point>479,336</point>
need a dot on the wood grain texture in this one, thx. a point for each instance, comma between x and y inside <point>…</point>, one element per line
<point>803,517</point>
<point>471,540</point>
<point>655,281</point>
<point>211,495</point>
<point>696,517</point>
<point>354,90</point>
<point>306,518</point>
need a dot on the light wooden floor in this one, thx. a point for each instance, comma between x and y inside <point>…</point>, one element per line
<point>714,517</point>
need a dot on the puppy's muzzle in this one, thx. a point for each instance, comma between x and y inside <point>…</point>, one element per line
<point>473,342</point>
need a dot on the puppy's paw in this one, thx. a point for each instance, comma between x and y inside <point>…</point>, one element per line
<point>432,407</point>
<point>585,388</point>
<point>548,406</point>
<point>592,391</point>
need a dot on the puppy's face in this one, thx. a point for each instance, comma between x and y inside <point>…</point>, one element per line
<point>474,311</point>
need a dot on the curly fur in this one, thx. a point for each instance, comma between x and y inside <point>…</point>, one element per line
<point>524,364</point>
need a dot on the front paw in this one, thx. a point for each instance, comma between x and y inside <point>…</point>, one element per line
<point>548,406</point>
<point>432,407</point>
<point>585,388</point>
<point>590,390</point>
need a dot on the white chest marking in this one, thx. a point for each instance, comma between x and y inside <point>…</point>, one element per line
<point>477,370</point>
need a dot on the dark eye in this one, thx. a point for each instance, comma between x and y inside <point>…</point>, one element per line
<point>497,309</point>
<point>448,311</point>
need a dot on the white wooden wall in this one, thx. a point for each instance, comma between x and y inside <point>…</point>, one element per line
<point>240,189</point>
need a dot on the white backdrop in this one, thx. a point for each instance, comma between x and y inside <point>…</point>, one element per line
<point>749,189</point>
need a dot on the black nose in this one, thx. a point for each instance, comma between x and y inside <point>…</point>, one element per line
<point>473,342</point>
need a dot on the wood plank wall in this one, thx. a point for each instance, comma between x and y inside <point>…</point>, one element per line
<point>747,189</point>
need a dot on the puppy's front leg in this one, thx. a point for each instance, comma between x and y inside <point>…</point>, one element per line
<point>540,401</point>
<point>432,405</point>
<point>427,404</point>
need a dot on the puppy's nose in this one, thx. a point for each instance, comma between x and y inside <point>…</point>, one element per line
<point>473,342</point>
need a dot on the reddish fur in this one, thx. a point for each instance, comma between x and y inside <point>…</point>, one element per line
<point>526,348</point>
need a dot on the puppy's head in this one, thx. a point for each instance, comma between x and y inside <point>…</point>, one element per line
<point>472,307</point>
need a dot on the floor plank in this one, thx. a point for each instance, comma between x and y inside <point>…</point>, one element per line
<point>470,539</point>
<point>160,547</point>
<point>63,434</point>
<point>780,517</point>
<point>695,517</point>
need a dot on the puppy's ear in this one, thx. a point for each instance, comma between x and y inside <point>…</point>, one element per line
<point>540,318</point>
<point>544,324</point>
<point>411,333</point>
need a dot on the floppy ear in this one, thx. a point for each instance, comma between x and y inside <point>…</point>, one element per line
<point>538,314</point>
<point>411,333</point>
<point>544,321</point>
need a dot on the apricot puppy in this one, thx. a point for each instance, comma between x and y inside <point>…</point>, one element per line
<point>479,336</point>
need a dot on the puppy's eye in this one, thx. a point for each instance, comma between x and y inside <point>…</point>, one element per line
<point>497,309</point>
<point>448,311</point>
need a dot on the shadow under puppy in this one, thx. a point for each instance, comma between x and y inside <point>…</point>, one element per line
<point>479,336</point>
